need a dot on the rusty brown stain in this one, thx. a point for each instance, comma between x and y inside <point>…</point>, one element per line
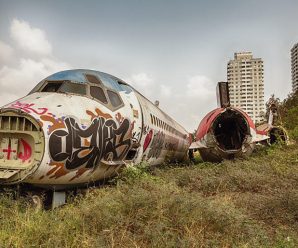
<point>40,123</point>
<point>58,170</point>
<point>56,123</point>
<point>99,113</point>
<point>86,142</point>
<point>84,153</point>
<point>136,113</point>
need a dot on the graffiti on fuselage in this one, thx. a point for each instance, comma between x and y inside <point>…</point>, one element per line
<point>148,139</point>
<point>156,145</point>
<point>172,145</point>
<point>29,108</point>
<point>86,147</point>
<point>73,146</point>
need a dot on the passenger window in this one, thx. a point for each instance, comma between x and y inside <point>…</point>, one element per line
<point>51,87</point>
<point>73,88</point>
<point>114,98</point>
<point>98,93</point>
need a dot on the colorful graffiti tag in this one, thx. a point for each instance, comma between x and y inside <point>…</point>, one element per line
<point>86,147</point>
<point>29,108</point>
<point>147,140</point>
<point>24,154</point>
<point>156,145</point>
<point>73,146</point>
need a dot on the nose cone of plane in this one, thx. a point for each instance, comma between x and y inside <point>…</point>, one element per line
<point>21,145</point>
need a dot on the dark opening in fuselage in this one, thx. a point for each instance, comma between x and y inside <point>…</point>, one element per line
<point>230,129</point>
<point>277,134</point>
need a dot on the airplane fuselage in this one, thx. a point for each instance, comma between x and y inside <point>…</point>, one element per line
<point>80,126</point>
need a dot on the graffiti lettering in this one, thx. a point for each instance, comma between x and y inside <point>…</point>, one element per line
<point>9,151</point>
<point>156,145</point>
<point>25,155</point>
<point>27,107</point>
<point>77,147</point>
<point>27,151</point>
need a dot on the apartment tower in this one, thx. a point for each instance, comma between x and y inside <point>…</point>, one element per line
<point>246,84</point>
<point>294,63</point>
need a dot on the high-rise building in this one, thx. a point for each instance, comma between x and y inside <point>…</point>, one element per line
<point>246,84</point>
<point>294,63</point>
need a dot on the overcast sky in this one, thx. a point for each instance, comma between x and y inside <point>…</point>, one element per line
<point>173,51</point>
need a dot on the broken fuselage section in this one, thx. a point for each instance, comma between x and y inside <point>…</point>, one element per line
<point>225,133</point>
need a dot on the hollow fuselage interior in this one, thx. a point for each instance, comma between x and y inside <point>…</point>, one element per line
<point>230,129</point>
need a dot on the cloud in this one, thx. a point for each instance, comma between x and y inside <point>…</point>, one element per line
<point>30,39</point>
<point>31,59</point>
<point>27,74</point>
<point>143,83</point>
<point>188,104</point>
<point>201,87</point>
<point>6,52</point>
<point>191,101</point>
<point>165,90</point>
<point>19,77</point>
<point>141,80</point>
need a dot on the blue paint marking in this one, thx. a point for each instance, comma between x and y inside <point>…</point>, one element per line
<point>79,77</point>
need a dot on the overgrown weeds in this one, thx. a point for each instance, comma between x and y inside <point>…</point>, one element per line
<point>243,203</point>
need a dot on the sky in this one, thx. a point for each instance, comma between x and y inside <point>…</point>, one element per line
<point>169,50</point>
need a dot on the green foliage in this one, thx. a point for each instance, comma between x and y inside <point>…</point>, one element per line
<point>289,114</point>
<point>294,133</point>
<point>292,118</point>
<point>131,173</point>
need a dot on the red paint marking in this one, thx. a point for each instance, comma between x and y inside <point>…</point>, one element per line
<point>147,140</point>
<point>9,151</point>
<point>27,107</point>
<point>27,151</point>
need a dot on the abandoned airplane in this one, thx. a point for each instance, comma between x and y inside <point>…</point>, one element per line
<point>80,126</point>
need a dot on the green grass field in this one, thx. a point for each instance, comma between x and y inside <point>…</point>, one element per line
<point>242,203</point>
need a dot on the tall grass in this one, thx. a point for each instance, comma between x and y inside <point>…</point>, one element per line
<point>242,203</point>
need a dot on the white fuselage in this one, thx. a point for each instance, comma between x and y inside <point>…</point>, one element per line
<point>85,141</point>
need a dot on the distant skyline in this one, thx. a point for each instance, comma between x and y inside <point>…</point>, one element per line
<point>171,51</point>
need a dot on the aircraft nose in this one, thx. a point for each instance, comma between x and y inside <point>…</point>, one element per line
<point>21,145</point>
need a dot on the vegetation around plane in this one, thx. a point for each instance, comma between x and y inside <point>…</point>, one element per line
<point>251,202</point>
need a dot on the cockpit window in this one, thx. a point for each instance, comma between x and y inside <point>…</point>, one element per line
<point>68,87</point>
<point>65,87</point>
<point>51,87</point>
<point>114,98</point>
<point>125,87</point>
<point>93,79</point>
<point>98,93</point>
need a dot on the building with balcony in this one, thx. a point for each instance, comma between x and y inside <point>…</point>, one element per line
<point>294,67</point>
<point>245,76</point>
